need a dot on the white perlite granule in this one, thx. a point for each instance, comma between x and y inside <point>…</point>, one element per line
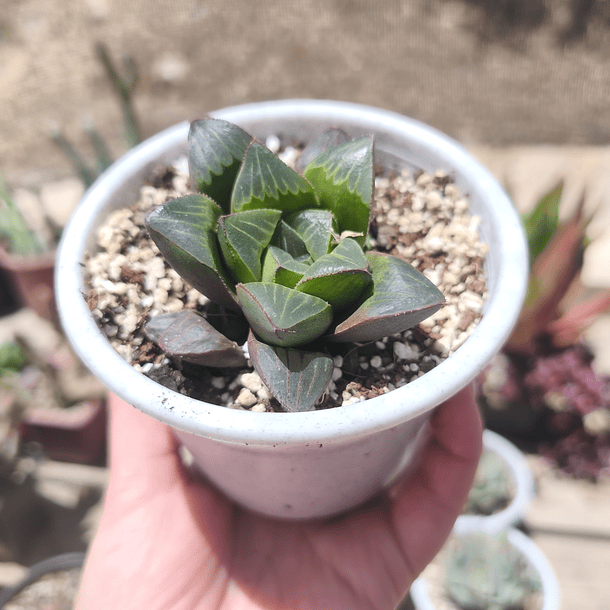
<point>423,219</point>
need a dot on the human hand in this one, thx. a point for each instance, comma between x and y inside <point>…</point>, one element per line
<point>169,541</point>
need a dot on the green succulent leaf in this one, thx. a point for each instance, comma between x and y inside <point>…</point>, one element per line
<point>283,316</point>
<point>328,139</point>
<point>243,237</point>
<point>342,178</point>
<point>316,229</point>
<point>296,378</point>
<point>339,277</point>
<point>264,181</point>
<point>290,241</point>
<point>216,151</point>
<point>190,337</point>
<point>399,298</point>
<point>184,230</point>
<point>281,268</point>
<point>542,222</point>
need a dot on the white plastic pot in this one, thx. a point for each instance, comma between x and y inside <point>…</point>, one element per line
<point>523,486</point>
<point>551,594</point>
<point>320,463</point>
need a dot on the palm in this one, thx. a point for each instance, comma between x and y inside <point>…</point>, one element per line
<point>167,541</point>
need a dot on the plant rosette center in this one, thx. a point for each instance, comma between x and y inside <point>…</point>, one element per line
<point>293,278</point>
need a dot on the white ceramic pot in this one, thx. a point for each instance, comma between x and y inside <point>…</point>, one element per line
<point>320,463</point>
<point>551,593</point>
<point>523,487</point>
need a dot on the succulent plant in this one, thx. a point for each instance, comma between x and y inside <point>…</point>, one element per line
<point>486,572</point>
<point>492,487</point>
<point>283,257</point>
<point>543,387</point>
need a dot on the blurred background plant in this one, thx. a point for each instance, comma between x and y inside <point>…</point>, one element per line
<point>30,232</point>
<point>542,390</point>
<point>27,241</point>
<point>31,221</point>
<point>12,361</point>
<point>492,488</point>
<point>124,85</point>
<point>19,238</point>
<point>486,572</point>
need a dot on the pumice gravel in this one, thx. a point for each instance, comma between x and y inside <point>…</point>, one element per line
<point>420,217</point>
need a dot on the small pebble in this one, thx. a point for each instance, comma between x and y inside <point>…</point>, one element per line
<point>251,381</point>
<point>273,143</point>
<point>263,393</point>
<point>246,398</point>
<point>218,382</point>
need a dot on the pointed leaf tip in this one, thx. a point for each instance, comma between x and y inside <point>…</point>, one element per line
<point>331,137</point>
<point>265,181</point>
<point>190,337</point>
<point>216,151</point>
<point>283,316</point>
<point>296,378</point>
<point>399,298</point>
<point>342,178</point>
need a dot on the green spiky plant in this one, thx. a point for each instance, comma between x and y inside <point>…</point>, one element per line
<point>286,254</point>
<point>486,572</point>
<point>21,240</point>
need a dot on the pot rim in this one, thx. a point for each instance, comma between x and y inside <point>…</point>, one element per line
<point>336,424</point>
